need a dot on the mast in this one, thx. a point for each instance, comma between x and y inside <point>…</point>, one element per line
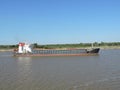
<point>92,45</point>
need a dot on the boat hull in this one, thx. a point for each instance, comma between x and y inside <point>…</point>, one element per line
<point>73,52</point>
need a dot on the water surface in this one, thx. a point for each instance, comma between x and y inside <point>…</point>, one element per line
<point>100,72</point>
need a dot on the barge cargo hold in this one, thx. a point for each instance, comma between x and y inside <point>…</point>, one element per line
<point>25,50</point>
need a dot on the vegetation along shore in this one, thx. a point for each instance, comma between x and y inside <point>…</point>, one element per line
<point>102,45</point>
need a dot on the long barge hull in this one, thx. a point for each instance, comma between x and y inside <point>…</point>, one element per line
<point>75,52</point>
<point>84,54</point>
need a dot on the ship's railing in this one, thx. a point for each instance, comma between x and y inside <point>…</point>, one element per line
<point>76,51</point>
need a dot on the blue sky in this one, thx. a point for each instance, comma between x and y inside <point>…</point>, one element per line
<point>59,21</point>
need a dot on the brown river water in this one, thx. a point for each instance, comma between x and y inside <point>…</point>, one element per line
<point>101,72</point>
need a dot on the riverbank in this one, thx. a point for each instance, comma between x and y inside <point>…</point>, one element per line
<point>110,47</point>
<point>5,50</point>
<point>101,47</point>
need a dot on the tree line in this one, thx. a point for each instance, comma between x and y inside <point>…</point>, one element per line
<point>79,45</point>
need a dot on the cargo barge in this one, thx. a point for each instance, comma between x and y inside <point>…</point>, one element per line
<point>26,50</point>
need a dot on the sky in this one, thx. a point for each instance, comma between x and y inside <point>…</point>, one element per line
<point>59,21</point>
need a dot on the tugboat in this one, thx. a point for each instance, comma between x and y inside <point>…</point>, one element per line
<point>25,49</point>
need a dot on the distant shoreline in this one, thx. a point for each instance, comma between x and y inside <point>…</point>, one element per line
<point>101,47</point>
<point>5,50</point>
<point>110,47</point>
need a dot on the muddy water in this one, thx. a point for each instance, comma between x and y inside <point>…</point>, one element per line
<point>100,72</point>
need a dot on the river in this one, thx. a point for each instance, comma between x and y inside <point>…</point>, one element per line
<point>101,72</point>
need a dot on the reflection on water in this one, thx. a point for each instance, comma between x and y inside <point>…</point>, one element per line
<point>24,58</point>
<point>24,65</point>
<point>24,62</point>
<point>100,72</point>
